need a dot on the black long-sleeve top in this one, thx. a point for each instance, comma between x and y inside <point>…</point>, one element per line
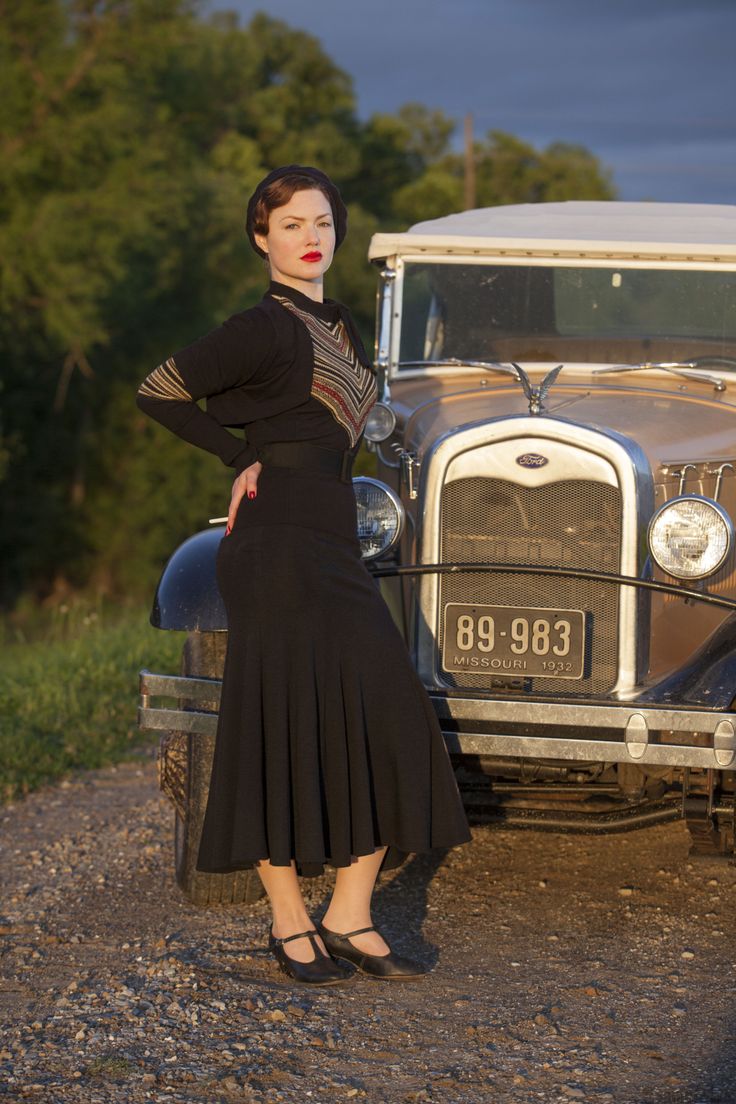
<point>288,369</point>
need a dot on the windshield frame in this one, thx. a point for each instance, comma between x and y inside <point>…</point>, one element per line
<point>582,260</point>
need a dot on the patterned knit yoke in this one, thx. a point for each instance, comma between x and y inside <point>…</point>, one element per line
<point>340,382</point>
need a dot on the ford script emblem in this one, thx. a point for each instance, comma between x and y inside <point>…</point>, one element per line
<point>532,460</point>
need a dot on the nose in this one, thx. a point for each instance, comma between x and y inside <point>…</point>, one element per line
<point>313,235</point>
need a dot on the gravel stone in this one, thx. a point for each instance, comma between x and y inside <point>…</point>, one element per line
<point>115,990</point>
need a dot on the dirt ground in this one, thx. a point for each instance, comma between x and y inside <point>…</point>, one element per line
<point>565,968</point>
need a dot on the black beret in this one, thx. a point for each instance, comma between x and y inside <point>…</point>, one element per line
<point>321,181</point>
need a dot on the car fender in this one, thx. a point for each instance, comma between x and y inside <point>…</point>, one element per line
<point>708,679</point>
<point>187,596</point>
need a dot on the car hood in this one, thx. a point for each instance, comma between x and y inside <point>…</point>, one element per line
<point>682,422</point>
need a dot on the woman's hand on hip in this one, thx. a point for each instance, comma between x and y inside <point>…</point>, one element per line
<point>245,486</point>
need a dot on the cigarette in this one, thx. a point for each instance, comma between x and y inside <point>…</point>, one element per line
<point>217,521</point>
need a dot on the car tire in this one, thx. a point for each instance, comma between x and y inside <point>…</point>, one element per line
<point>203,656</point>
<point>712,833</point>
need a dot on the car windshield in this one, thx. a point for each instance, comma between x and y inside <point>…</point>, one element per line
<point>602,315</point>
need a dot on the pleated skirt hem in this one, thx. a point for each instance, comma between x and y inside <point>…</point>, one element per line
<point>315,867</point>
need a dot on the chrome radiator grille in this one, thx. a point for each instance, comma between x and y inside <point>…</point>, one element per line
<point>572,523</point>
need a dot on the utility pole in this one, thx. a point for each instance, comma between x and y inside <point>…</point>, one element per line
<point>469,164</point>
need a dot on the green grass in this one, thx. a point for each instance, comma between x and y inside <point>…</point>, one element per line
<point>110,1067</point>
<point>68,698</point>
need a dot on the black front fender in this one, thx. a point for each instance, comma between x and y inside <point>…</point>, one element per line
<point>707,680</point>
<point>187,596</point>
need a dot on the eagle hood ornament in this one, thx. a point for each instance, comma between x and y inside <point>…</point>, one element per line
<point>536,395</point>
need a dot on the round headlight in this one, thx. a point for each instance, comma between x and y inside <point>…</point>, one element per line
<point>380,423</point>
<point>690,537</point>
<point>380,517</point>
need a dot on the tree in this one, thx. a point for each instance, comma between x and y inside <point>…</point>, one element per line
<point>133,132</point>
<point>508,170</point>
<point>396,151</point>
<point>512,171</point>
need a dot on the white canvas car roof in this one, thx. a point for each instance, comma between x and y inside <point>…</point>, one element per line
<point>697,231</point>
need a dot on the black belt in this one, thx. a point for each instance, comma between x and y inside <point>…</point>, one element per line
<point>308,457</point>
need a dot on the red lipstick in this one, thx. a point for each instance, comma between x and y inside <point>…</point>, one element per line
<point>314,256</point>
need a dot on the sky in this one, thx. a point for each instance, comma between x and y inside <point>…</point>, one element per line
<point>649,86</point>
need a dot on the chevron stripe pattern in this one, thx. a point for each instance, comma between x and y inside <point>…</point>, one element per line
<point>165,382</point>
<point>340,382</point>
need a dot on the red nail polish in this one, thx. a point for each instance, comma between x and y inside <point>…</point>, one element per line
<point>251,494</point>
<point>228,531</point>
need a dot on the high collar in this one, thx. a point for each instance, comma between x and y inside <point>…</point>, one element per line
<point>327,311</point>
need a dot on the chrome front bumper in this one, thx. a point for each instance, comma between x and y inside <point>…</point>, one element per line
<point>162,719</point>
<point>609,733</point>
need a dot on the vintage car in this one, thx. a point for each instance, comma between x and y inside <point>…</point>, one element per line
<point>550,520</point>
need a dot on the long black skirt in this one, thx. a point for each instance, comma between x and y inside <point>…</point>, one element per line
<point>327,744</point>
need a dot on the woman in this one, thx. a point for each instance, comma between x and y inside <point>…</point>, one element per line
<point>328,750</point>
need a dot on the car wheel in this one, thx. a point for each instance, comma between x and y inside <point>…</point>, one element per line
<point>711,828</point>
<point>203,656</point>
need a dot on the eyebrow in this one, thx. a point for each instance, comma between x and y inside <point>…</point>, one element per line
<point>302,218</point>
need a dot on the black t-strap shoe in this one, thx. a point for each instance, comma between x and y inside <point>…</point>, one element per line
<point>388,967</point>
<point>322,970</point>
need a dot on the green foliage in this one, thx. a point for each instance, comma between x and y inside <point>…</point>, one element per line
<point>134,135</point>
<point>508,170</point>
<point>439,191</point>
<point>352,280</point>
<point>398,150</point>
<point>512,171</point>
<point>68,702</point>
<point>133,132</point>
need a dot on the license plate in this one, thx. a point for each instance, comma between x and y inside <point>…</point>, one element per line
<point>518,641</point>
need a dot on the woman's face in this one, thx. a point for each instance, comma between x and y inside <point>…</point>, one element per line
<point>301,238</point>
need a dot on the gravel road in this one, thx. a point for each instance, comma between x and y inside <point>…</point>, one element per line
<point>566,968</point>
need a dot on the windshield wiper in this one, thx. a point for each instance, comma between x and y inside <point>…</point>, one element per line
<point>455,362</point>
<point>688,369</point>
